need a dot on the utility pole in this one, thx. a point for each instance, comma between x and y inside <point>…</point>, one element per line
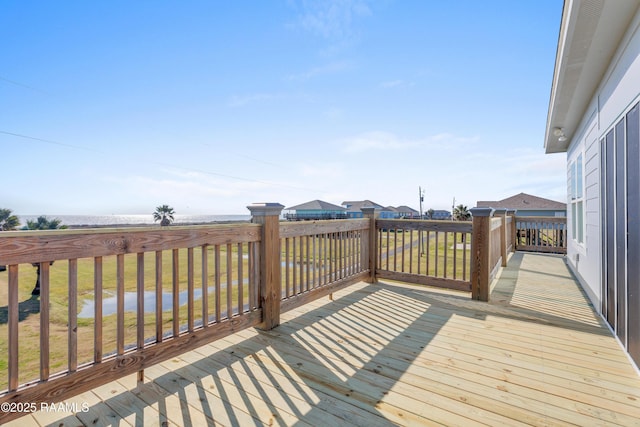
<point>453,207</point>
<point>421,195</point>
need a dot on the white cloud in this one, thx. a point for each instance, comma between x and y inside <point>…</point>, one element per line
<point>331,19</point>
<point>386,141</point>
<point>396,84</point>
<point>322,170</point>
<point>237,101</point>
<point>332,68</point>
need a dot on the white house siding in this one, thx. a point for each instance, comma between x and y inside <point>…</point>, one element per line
<point>584,258</point>
<point>618,92</point>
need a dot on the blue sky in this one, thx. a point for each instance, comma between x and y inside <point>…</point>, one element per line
<point>118,107</point>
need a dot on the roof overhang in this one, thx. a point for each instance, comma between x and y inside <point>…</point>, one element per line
<point>590,32</point>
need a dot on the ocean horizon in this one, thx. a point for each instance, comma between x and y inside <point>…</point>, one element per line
<point>131,219</point>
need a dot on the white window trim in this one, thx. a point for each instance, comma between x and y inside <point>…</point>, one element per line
<point>577,199</point>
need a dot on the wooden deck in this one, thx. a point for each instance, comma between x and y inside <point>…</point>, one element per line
<point>394,354</point>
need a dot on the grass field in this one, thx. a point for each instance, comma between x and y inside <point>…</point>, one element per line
<point>428,255</point>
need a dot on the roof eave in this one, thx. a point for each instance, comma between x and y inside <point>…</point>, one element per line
<point>590,32</point>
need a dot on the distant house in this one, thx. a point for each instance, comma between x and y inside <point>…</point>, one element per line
<point>528,205</point>
<point>315,210</point>
<point>389,212</point>
<point>353,208</point>
<point>441,215</point>
<point>407,212</point>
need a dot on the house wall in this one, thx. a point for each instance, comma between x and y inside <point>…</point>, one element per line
<point>617,93</point>
<point>524,212</point>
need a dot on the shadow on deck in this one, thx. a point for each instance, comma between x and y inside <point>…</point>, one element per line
<point>394,354</point>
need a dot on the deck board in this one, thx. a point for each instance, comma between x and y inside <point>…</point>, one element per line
<point>396,354</point>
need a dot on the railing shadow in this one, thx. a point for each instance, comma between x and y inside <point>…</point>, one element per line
<point>25,309</point>
<point>343,361</point>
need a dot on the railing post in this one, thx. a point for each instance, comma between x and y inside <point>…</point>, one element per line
<point>268,215</point>
<point>369,212</point>
<point>481,247</point>
<point>502,213</point>
<point>514,229</point>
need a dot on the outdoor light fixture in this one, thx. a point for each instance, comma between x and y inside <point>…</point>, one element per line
<point>559,132</point>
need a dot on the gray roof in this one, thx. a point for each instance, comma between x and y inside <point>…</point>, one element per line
<point>524,202</point>
<point>317,205</point>
<point>357,204</point>
<point>406,209</point>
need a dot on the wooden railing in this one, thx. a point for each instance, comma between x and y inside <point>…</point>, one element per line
<point>541,234</point>
<point>203,281</point>
<point>320,257</point>
<point>194,284</point>
<point>436,253</point>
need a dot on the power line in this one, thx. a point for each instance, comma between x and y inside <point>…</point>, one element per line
<point>13,82</point>
<point>48,141</point>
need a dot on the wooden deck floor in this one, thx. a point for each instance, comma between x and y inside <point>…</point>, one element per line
<point>395,354</point>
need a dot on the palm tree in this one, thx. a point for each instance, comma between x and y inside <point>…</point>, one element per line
<point>43,223</point>
<point>430,213</point>
<point>8,221</point>
<point>164,214</point>
<point>461,213</point>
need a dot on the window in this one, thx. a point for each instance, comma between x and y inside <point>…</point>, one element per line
<point>577,200</point>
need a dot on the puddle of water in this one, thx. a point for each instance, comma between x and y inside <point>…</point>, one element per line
<point>109,305</point>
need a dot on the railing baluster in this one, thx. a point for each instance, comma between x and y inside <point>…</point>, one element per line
<point>285,264</point>
<point>44,320</point>
<point>217,282</point>
<point>140,302</point>
<point>205,286</point>
<point>97,308</point>
<point>411,251</point>
<point>140,308</point>
<point>229,281</point>
<point>240,280</point>
<point>294,266</point>
<point>13,319</point>
<point>324,260</point>
<point>190,290</point>
<point>402,261</point>
<point>446,251</point>
<point>464,256</point>
<point>307,263</point>
<point>119,302</point>
<point>73,315</point>
<point>175,258</point>
<point>253,274</point>
<point>314,261</point>
<point>427,252</point>
<point>159,325</point>
<point>455,255</point>
<point>437,260</point>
